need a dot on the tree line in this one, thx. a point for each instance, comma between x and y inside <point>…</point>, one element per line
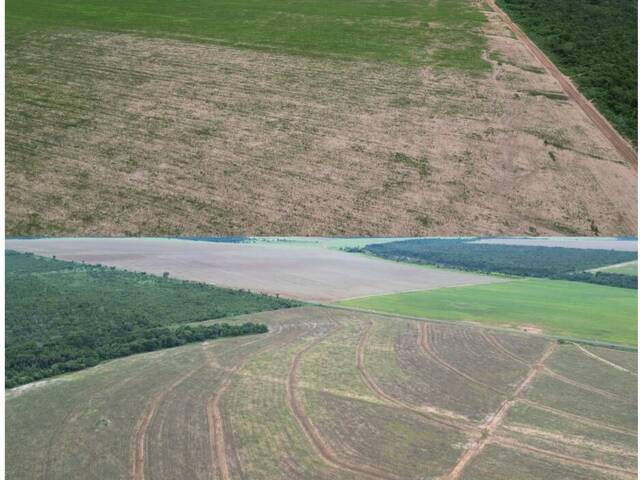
<point>518,260</point>
<point>64,316</point>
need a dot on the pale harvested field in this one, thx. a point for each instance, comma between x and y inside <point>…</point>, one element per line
<point>134,135</point>
<point>568,242</point>
<point>333,394</point>
<point>294,272</point>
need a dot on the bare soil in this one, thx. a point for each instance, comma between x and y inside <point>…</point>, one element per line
<point>294,272</point>
<point>141,136</point>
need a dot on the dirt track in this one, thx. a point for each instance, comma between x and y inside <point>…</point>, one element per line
<point>620,144</point>
<point>495,420</point>
<point>325,451</point>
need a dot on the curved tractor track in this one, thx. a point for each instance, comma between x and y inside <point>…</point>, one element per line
<point>619,143</point>
<point>322,448</point>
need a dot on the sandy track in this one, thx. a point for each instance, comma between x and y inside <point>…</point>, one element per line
<point>494,421</point>
<point>619,143</point>
<point>426,348</point>
<point>603,360</point>
<point>322,448</point>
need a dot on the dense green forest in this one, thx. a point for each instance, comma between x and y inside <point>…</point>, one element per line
<point>64,316</point>
<point>529,261</point>
<point>595,42</point>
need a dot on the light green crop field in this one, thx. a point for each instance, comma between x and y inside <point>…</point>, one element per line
<point>571,309</point>
<point>630,269</point>
<point>408,31</point>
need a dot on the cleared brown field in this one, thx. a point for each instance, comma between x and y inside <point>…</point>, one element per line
<point>295,272</point>
<point>143,136</point>
<point>332,394</point>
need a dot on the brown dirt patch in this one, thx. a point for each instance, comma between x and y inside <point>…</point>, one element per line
<point>134,135</point>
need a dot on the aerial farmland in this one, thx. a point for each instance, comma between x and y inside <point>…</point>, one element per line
<point>309,118</point>
<point>312,388</point>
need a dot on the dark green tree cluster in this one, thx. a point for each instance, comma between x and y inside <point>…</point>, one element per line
<point>603,278</point>
<point>595,42</point>
<point>519,260</point>
<point>64,316</point>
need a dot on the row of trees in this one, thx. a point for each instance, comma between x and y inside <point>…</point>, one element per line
<point>31,361</point>
<point>518,260</point>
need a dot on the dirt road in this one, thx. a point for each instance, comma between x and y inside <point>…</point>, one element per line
<point>619,143</point>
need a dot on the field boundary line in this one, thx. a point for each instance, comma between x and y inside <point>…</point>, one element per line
<point>325,451</point>
<point>604,360</point>
<point>494,421</point>
<point>494,328</point>
<point>621,145</point>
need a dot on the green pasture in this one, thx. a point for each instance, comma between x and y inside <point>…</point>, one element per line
<point>436,32</point>
<point>572,309</point>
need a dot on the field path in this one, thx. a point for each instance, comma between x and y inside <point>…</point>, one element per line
<point>494,421</point>
<point>604,360</point>
<point>427,349</point>
<point>583,386</point>
<point>322,448</point>
<point>578,418</point>
<point>619,143</point>
<point>140,431</point>
<point>438,414</point>
<point>507,442</point>
<point>214,413</point>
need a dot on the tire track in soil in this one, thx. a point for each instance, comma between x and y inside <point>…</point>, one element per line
<point>578,418</point>
<point>214,413</point>
<point>325,451</point>
<point>619,143</point>
<point>466,427</point>
<point>496,343</point>
<point>151,408</point>
<point>514,444</point>
<point>494,421</point>
<point>604,360</point>
<point>423,343</point>
<point>140,431</point>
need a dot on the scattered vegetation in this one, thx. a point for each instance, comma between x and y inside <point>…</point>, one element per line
<point>595,42</point>
<point>464,254</point>
<point>65,316</point>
